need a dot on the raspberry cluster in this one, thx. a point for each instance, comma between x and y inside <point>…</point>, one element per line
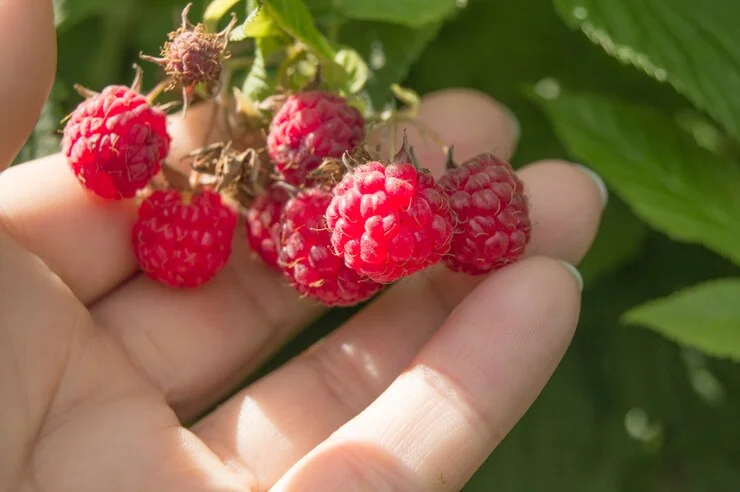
<point>338,223</point>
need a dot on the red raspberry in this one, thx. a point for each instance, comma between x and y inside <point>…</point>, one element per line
<point>307,256</point>
<point>183,240</point>
<point>389,221</point>
<point>262,221</point>
<point>492,212</point>
<point>310,127</point>
<point>115,142</point>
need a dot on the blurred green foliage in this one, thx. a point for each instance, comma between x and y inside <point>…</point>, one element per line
<point>643,91</point>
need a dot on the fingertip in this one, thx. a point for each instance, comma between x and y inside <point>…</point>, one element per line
<point>575,273</point>
<point>566,205</point>
<point>600,184</point>
<point>475,118</point>
<point>28,67</point>
<point>471,121</point>
<point>468,119</point>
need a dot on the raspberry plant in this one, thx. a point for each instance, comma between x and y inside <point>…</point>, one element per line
<point>628,410</point>
<point>318,203</point>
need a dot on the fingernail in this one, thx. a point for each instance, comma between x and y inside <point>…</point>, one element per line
<point>603,191</point>
<point>572,269</point>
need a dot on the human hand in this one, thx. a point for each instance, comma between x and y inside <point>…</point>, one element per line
<point>100,367</point>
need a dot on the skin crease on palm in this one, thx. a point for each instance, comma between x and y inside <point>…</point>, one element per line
<point>104,375</point>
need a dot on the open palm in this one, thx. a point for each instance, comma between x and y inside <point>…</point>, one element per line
<point>101,370</point>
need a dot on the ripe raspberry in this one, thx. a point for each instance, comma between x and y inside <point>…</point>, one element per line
<point>192,55</point>
<point>310,127</point>
<point>307,257</point>
<point>492,212</point>
<point>389,221</point>
<point>262,221</point>
<point>183,240</point>
<point>115,142</point>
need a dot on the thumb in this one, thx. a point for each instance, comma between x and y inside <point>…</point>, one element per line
<point>27,64</point>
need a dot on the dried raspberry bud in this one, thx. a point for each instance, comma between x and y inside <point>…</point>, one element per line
<point>307,256</point>
<point>183,239</point>
<point>115,141</point>
<point>193,56</point>
<point>493,226</point>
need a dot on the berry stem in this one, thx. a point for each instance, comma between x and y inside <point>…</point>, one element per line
<point>227,31</point>
<point>292,190</point>
<point>349,163</point>
<point>153,59</point>
<point>85,92</point>
<point>168,106</point>
<point>138,82</point>
<point>158,90</point>
<point>255,167</point>
<point>187,96</point>
<point>186,24</point>
<point>427,131</point>
<point>392,135</point>
<point>450,163</point>
<point>406,153</point>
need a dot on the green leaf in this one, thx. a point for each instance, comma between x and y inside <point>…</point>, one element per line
<point>693,45</point>
<point>295,18</point>
<point>355,67</point>
<point>216,10</point>
<point>389,49</point>
<point>412,13</point>
<point>706,317</point>
<point>258,25</point>
<point>668,180</point>
<point>260,81</point>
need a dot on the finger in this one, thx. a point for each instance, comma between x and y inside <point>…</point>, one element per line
<point>201,354</point>
<point>566,203</point>
<point>468,120</point>
<point>197,344</point>
<point>41,323</point>
<point>27,67</point>
<point>84,239</point>
<point>302,403</point>
<point>440,419</point>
